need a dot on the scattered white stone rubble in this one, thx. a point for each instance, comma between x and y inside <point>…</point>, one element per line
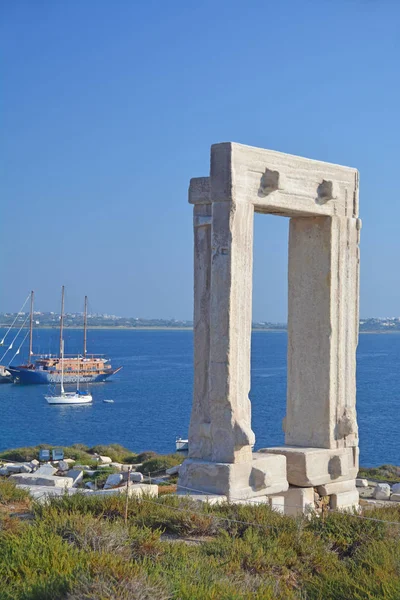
<point>66,477</point>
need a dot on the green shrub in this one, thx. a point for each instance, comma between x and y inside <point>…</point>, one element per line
<point>80,447</point>
<point>158,464</point>
<point>23,454</point>
<point>37,564</point>
<point>116,452</point>
<point>111,588</point>
<point>100,476</point>
<point>389,473</point>
<point>147,455</point>
<point>27,454</point>
<point>10,493</point>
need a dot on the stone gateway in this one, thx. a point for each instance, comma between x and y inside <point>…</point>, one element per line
<point>321,436</point>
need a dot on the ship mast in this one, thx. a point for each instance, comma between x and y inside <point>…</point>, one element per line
<point>62,321</point>
<point>85,328</point>
<point>31,329</point>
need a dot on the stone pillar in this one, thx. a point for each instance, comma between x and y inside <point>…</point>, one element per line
<point>199,430</point>
<point>320,426</point>
<point>220,437</point>
<point>231,308</point>
<point>322,332</point>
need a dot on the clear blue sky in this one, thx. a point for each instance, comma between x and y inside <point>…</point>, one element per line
<point>109,107</point>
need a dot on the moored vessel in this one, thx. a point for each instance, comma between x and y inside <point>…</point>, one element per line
<point>64,397</point>
<point>47,369</point>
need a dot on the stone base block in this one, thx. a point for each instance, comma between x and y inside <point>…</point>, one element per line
<point>41,493</point>
<point>345,500</point>
<point>361,483</point>
<point>277,504</point>
<point>211,499</point>
<point>264,475</point>
<point>135,490</point>
<point>337,487</point>
<point>295,501</point>
<point>50,481</point>
<point>308,467</point>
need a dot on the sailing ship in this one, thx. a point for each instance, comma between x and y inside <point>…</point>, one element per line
<point>64,397</point>
<point>87,368</point>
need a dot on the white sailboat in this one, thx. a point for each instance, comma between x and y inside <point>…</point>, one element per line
<point>76,397</point>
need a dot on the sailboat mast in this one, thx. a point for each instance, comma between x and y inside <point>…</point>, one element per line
<point>85,328</point>
<point>62,320</point>
<point>62,365</point>
<point>31,329</point>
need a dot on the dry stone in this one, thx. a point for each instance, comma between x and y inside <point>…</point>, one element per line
<point>361,483</point>
<point>295,501</point>
<point>63,466</point>
<point>113,480</point>
<point>318,466</point>
<point>382,491</point>
<point>173,470</point>
<point>135,490</point>
<point>48,481</point>
<point>345,500</point>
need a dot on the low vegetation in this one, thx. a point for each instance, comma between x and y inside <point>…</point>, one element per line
<point>78,452</point>
<point>80,548</point>
<point>158,464</point>
<point>150,462</point>
<point>388,473</point>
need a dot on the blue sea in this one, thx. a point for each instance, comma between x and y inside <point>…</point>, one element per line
<point>153,392</point>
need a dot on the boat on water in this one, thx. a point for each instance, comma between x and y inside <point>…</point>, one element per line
<point>47,369</point>
<point>64,397</point>
<point>5,375</point>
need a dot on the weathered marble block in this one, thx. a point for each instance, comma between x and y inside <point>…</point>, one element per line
<point>345,501</point>
<point>317,466</point>
<point>264,475</point>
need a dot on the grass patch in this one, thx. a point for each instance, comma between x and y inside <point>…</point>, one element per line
<point>169,550</point>
<point>9,493</point>
<point>389,473</point>
<point>159,463</point>
<point>78,547</point>
<point>116,452</point>
<point>79,452</point>
<point>99,476</point>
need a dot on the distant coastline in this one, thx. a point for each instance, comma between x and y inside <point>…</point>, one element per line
<point>180,328</point>
<point>46,320</point>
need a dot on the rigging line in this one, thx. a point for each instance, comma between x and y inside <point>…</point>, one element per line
<point>12,343</point>
<point>13,323</point>
<point>17,352</point>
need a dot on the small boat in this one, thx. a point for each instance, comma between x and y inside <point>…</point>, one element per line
<point>70,398</point>
<point>5,376</point>
<point>109,401</point>
<point>181,445</point>
<point>64,397</point>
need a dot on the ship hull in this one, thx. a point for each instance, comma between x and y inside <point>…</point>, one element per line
<point>34,377</point>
